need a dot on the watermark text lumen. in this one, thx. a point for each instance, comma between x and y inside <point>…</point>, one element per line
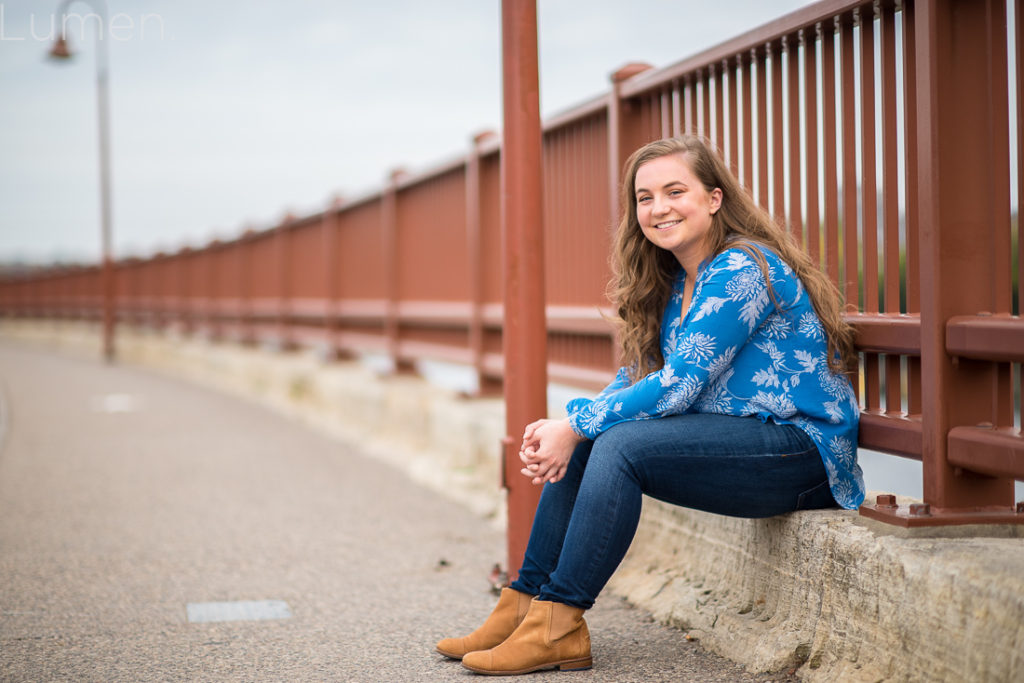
<point>47,27</point>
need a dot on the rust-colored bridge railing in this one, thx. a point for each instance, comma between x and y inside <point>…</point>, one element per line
<point>878,131</point>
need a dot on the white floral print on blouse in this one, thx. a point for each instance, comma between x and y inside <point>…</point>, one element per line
<point>739,353</point>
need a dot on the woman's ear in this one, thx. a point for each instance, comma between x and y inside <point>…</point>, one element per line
<point>716,199</point>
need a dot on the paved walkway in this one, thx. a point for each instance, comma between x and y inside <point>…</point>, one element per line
<point>126,496</point>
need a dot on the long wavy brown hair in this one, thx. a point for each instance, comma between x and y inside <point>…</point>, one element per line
<point>643,273</point>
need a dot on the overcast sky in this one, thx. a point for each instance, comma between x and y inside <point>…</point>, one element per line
<point>229,114</point>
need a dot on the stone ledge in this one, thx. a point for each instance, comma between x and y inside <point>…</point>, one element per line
<point>822,592</point>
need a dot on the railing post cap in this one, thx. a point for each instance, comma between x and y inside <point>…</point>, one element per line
<point>629,70</point>
<point>484,136</point>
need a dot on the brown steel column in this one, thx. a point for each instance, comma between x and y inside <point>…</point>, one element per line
<point>621,122</point>
<point>330,227</point>
<point>109,293</point>
<point>389,232</point>
<point>486,385</point>
<point>623,140</point>
<point>525,332</point>
<point>184,271</point>
<point>960,168</point>
<point>962,189</point>
<point>282,244</point>
<point>243,247</point>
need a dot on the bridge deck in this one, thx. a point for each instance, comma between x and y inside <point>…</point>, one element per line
<point>130,500</point>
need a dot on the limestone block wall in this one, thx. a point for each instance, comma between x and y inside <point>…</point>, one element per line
<point>832,596</point>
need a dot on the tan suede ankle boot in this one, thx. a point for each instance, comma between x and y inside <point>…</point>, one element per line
<point>507,614</point>
<point>552,635</point>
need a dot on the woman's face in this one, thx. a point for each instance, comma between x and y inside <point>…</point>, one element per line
<point>674,209</point>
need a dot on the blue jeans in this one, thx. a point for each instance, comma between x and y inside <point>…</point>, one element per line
<point>737,466</point>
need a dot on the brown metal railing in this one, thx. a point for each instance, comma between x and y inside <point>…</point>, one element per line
<point>885,151</point>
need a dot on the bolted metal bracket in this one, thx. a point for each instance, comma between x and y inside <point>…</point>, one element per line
<point>886,509</point>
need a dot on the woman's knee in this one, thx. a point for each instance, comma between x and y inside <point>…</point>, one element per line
<point>615,450</point>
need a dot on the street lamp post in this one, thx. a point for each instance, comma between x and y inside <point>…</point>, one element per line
<point>60,51</point>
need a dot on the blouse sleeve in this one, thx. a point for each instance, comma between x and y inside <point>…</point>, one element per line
<point>730,303</point>
<point>620,380</point>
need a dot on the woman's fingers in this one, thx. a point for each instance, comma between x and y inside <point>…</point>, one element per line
<point>531,428</point>
<point>532,468</point>
<point>546,467</point>
<point>536,468</point>
<point>557,472</point>
<point>528,454</point>
<point>555,475</point>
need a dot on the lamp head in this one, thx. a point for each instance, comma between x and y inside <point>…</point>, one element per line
<point>60,49</point>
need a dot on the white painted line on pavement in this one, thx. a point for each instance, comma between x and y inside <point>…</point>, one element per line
<point>116,403</point>
<point>239,610</point>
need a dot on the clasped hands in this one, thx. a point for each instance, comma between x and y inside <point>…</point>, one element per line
<point>546,450</point>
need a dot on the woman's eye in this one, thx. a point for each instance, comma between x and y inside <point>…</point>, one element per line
<point>641,200</point>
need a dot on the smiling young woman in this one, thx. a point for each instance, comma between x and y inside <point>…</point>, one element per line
<point>732,400</point>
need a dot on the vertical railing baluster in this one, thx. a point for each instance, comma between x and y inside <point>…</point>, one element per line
<point>795,213</point>
<point>911,274</point>
<point>748,121</point>
<point>778,139</point>
<point>812,219</point>
<point>719,81</point>
<point>829,143</point>
<point>849,280</point>
<point>761,144</point>
<point>890,200</point>
<point>732,67</point>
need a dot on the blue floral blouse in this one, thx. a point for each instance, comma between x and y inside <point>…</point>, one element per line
<point>737,353</point>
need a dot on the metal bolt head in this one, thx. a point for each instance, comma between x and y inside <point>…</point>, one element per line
<point>885,500</point>
<point>920,510</point>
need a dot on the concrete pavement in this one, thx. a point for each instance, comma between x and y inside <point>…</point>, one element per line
<point>125,496</point>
